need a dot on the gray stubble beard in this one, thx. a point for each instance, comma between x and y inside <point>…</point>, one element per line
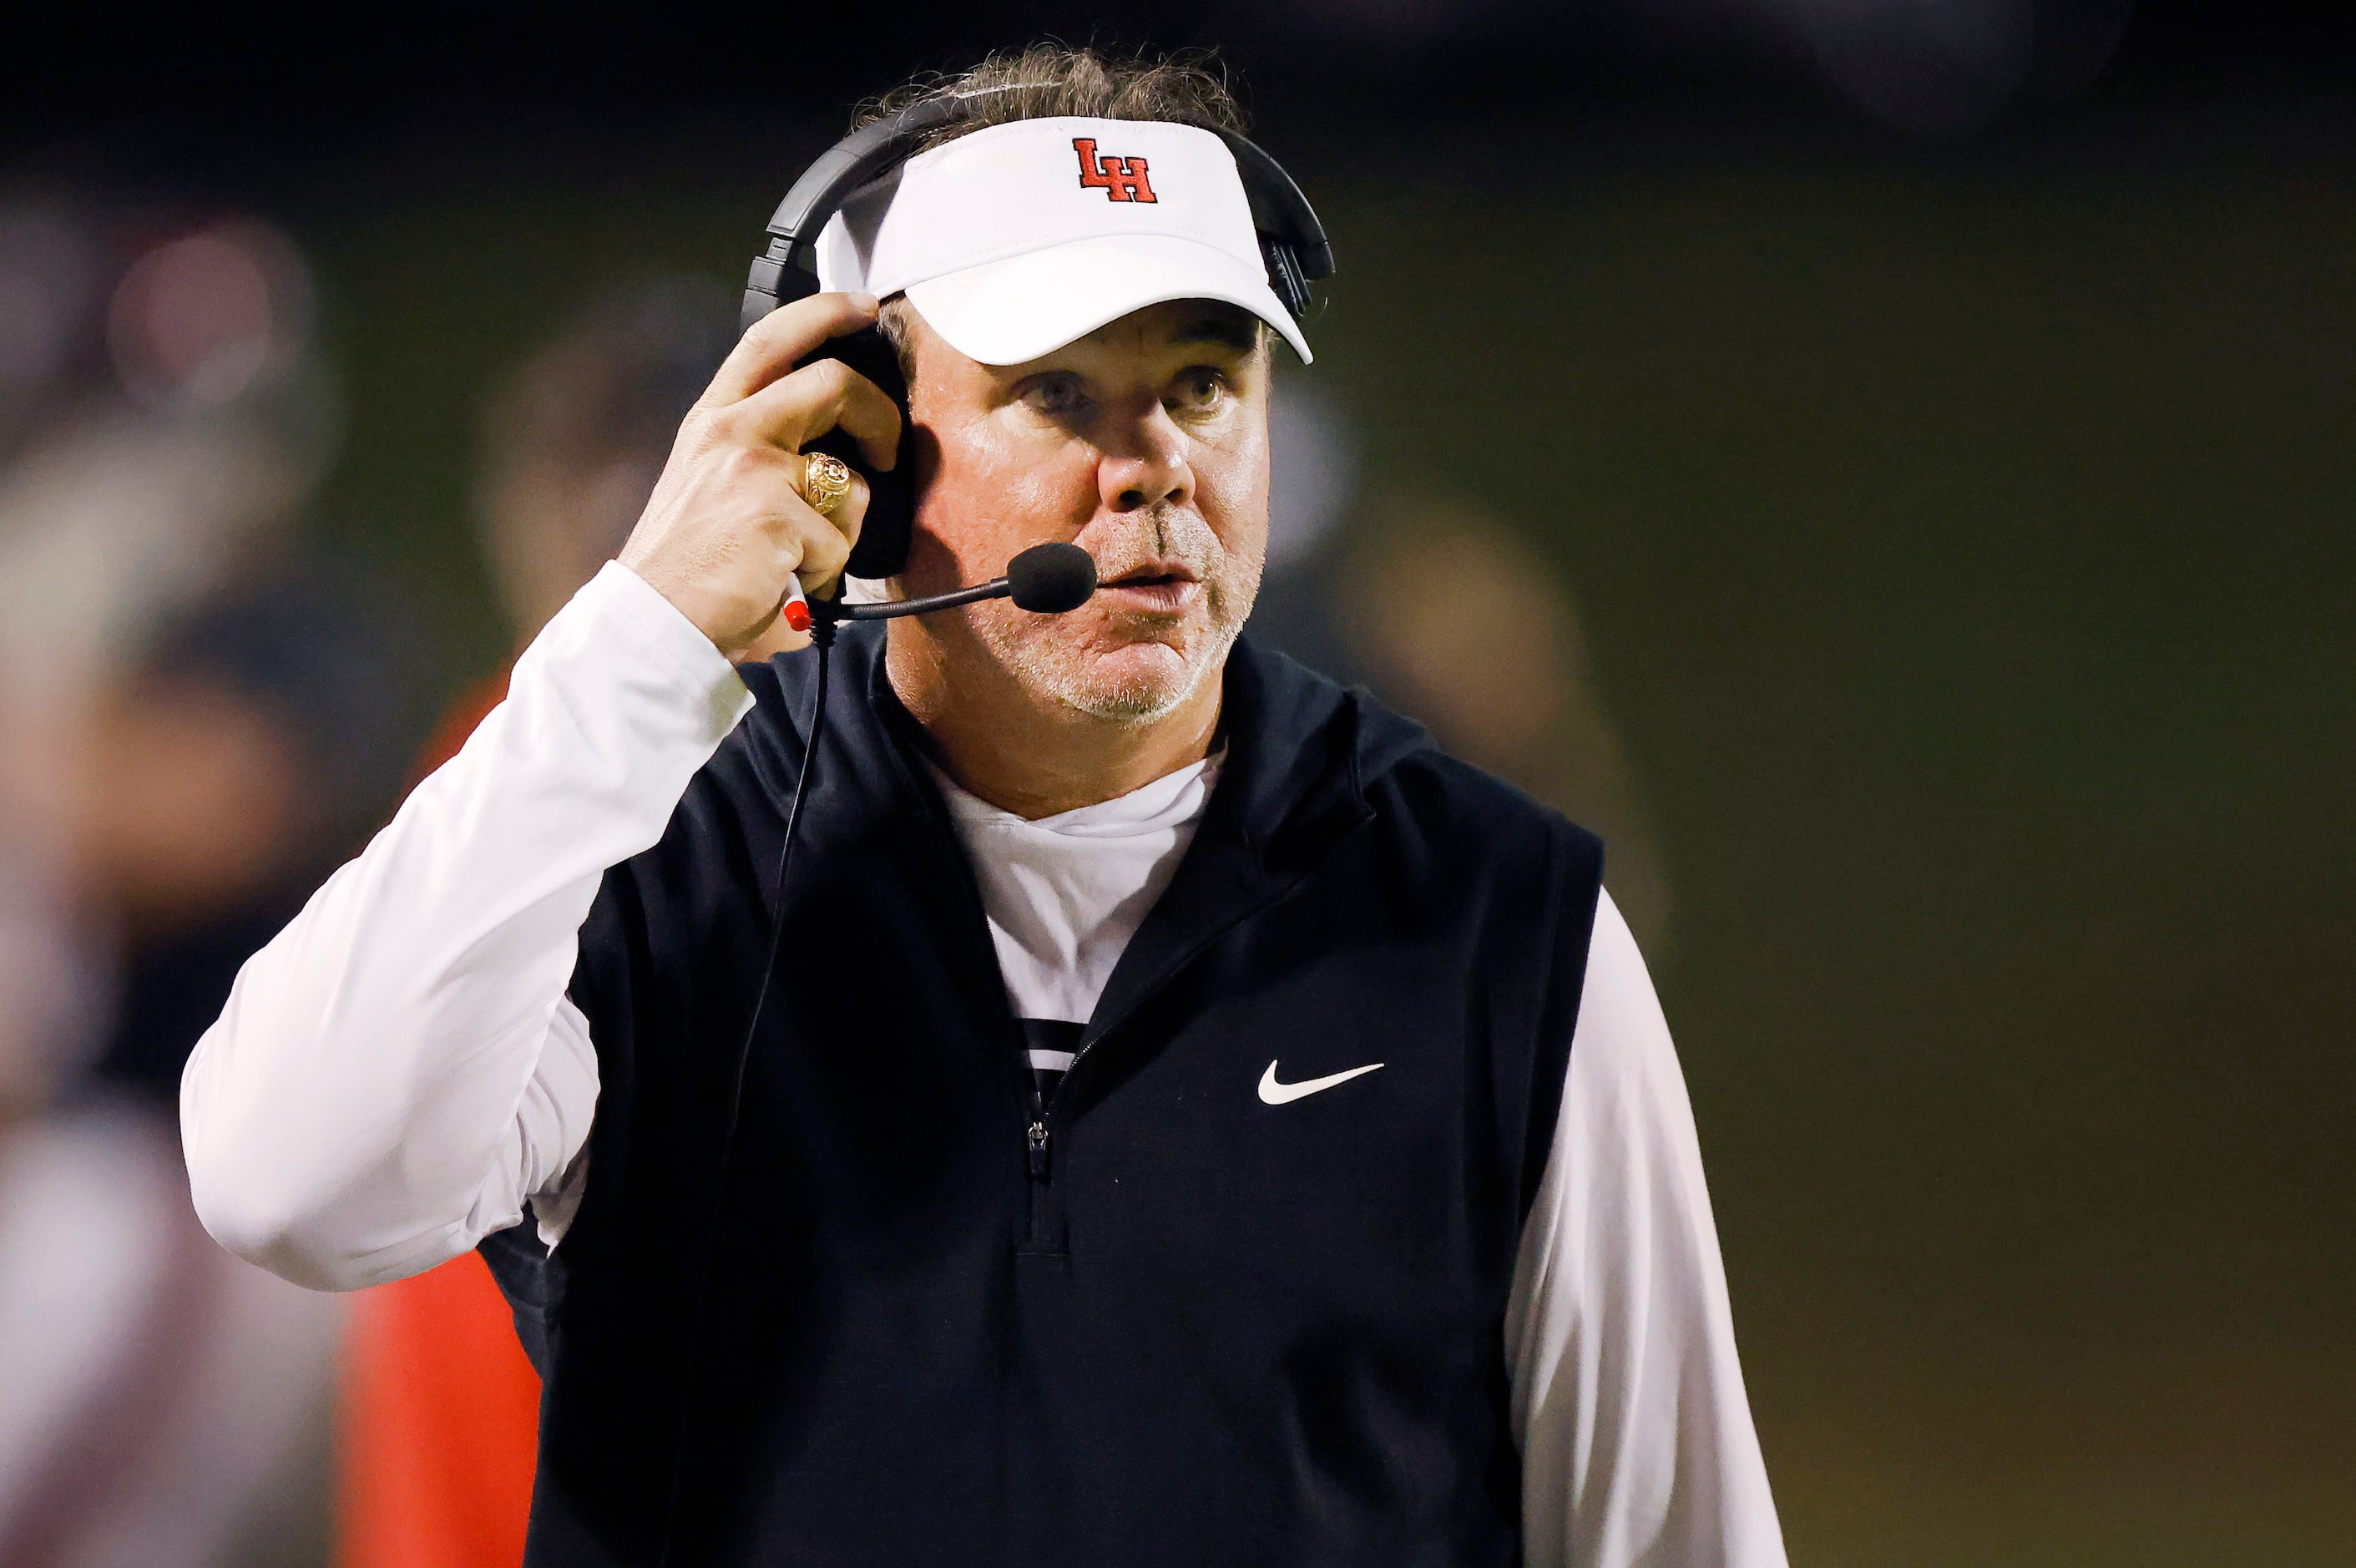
<point>1040,664</point>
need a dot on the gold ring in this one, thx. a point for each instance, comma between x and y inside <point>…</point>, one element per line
<point>826,482</point>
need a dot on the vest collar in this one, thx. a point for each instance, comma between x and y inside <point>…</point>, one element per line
<point>1300,752</point>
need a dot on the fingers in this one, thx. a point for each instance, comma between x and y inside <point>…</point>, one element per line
<point>782,337</point>
<point>818,398</point>
<point>722,550</point>
<point>730,516</point>
<point>822,548</point>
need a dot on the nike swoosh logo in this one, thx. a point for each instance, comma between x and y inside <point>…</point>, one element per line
<point>1274,1093</point>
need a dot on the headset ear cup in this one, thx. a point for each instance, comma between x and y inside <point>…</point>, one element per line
<point>884,533</point>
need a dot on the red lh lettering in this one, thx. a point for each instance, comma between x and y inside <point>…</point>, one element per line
<point>1122,180</point>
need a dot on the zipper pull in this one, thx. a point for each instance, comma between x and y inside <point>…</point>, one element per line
<point>1038,1139</point>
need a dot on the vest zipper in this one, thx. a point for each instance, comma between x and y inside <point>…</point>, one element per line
<point>1044,1106</point>
<point>1038,1142</point>
<point>1042,1230</point>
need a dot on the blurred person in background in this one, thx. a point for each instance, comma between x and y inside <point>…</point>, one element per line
<point>192,726</point>
<point>160,424</point>
<point>1487,652</point>
<point>439,1419</point>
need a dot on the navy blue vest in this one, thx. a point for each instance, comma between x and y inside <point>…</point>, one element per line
<point>1196,1327</point>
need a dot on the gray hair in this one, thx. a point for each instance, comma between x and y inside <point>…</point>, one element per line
<point>1051,80</point>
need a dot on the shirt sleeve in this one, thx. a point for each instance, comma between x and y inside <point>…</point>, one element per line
<point>1637,1444</point>
<point>400,1069</point>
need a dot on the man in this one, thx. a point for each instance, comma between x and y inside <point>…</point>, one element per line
<point>1194,1120</point>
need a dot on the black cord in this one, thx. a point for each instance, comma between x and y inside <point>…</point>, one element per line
<point>822,636</point>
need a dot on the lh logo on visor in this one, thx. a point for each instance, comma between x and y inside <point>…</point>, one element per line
<point>1122,180</point>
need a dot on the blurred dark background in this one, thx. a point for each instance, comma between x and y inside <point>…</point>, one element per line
<point>1933,422</point>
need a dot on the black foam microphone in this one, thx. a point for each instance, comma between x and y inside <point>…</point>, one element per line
<point>1046,579</point>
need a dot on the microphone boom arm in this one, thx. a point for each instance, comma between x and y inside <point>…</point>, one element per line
<point>1046,579</point>
<point>890,610</point>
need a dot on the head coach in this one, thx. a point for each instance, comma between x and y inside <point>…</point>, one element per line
<point>1160,1112</point>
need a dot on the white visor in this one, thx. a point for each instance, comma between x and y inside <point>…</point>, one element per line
<point>1015,241</point>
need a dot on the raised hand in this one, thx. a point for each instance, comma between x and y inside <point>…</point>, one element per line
<point>731,518</point>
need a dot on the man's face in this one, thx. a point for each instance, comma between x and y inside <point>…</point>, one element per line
<point>1144,442</point>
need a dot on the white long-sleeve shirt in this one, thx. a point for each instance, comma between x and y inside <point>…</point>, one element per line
<point>400,1072</point>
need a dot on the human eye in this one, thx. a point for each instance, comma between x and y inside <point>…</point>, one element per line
<point>1056,396</point>
<point>1200,390</point>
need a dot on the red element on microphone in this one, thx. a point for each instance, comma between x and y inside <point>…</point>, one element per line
<point>797,613</point>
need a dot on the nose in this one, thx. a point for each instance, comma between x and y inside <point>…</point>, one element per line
<point>1148,467</point>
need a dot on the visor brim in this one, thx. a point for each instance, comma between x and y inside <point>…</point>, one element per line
<point>1012,311</point>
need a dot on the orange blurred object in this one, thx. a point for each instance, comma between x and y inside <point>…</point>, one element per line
<point>438,1428</point>
<point>439,1425</point>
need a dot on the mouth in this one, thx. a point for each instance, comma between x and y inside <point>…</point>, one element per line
<point>1163,587</point>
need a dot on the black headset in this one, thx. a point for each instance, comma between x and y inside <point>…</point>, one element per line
<point>1291,242</point>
